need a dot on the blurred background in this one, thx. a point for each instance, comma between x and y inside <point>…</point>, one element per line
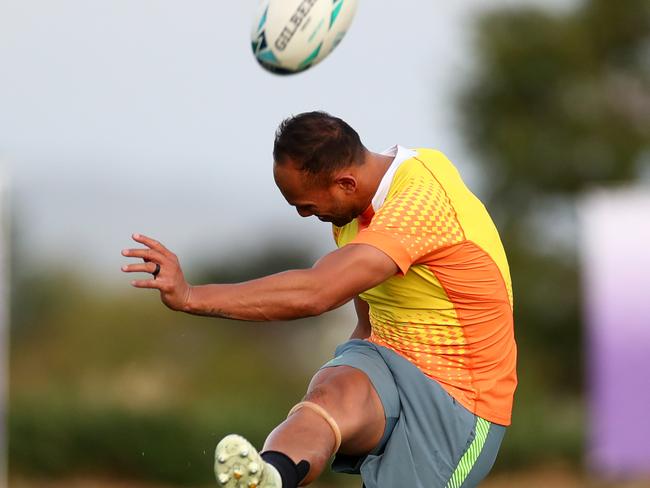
<point>153,116</point>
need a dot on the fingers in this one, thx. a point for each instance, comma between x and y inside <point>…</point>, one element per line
<point>147,284</point>
<point>170,281</point>
<point>146,254</point>
<point>149,267</point>
<point>151,243</point>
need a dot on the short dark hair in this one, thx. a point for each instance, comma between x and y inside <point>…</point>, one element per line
<point>318,143</point>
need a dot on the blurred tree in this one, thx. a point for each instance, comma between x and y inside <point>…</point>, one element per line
<point>560,102</point>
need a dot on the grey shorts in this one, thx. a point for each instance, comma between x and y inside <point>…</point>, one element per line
<point>430,440</point>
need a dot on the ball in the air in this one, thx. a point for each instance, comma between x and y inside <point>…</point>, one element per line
<point>290,36</point>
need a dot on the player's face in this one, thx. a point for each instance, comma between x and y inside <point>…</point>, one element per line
<point>328,201</point>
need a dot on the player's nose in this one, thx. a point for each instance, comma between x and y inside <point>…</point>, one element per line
<point>304,213</point>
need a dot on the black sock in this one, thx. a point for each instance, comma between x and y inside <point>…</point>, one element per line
<point>290,472</point>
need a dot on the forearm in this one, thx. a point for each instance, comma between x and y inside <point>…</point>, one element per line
<point>333,281</point>
<point>283,296</point>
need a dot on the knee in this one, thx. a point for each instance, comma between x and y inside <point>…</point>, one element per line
<point>322,394</point>
<point>346,394</point>
<point>333,387</point>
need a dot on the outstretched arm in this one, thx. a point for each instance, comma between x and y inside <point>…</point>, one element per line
<point>332,281</point>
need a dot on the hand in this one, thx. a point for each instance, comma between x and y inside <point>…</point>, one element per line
<point>174,290</point>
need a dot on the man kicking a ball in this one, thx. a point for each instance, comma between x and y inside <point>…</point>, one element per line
<point>420,395</point>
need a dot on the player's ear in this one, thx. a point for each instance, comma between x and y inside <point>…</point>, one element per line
<point>347,183</point>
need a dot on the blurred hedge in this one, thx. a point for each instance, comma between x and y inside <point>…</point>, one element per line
<point>110,383</point>
<point>171,446</point>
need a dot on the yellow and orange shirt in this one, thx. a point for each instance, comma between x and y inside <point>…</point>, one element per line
<point>449,309</point>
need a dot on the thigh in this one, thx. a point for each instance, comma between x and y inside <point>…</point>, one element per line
<point>348,395</point>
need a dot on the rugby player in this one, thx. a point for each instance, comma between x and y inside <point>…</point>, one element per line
<point>422,393</point>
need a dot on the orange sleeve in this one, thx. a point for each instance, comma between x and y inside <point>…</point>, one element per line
<point>387,244</point>
<point>413,222</point>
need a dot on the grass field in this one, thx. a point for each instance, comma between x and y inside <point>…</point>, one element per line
<point>546,477</point>
<point>83,482</point>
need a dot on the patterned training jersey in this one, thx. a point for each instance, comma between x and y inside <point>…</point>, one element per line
<point>449,309</point>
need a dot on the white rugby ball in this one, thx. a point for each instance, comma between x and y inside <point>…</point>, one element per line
<point>290,36</point>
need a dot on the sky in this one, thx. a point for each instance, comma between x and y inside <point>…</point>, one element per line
<point>152,116</point>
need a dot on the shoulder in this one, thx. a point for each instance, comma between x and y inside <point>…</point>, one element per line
<point>417,170</point>
<point>424,161</point>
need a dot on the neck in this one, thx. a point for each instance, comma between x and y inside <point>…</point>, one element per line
<point>377,165</point>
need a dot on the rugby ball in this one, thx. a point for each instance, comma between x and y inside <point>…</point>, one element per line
<point>290,36</point>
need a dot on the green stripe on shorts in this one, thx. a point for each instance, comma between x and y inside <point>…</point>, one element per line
<point>471,455</point>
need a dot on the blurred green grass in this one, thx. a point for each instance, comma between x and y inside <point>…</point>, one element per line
<point>111,383</point>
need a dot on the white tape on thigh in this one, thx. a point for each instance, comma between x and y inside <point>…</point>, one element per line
<point>323,413</point>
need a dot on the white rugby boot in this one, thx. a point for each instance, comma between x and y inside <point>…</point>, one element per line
<point>238,465</point>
